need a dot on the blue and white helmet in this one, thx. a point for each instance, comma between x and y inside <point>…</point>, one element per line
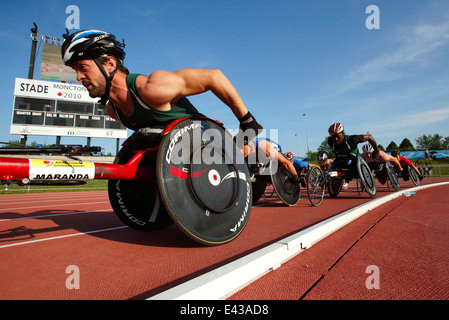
<point>91,44</point>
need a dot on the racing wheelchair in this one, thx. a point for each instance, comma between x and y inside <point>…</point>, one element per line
<point>385,173</point>
<point>333,177</point>
<point>409,174</point>
<point>287,190</point>
<point>284,186</point>
<point>188,173</point>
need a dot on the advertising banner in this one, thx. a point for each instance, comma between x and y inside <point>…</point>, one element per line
<point>52,67</point>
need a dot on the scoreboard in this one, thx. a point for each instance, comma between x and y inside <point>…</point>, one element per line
<point>60,109</point>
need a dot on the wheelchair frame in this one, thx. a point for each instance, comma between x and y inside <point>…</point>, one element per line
<point>332,179</point>
<point>22,171</point>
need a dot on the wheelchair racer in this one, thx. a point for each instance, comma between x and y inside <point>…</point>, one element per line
<point>324,161</point>
<point>345,148</point>
<point>262,150</point>
<point>301,167</point>
<point>141,101</point>
<point>406,165</point>
<point>382,157</point>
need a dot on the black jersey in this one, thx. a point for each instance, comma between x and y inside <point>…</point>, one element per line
<point>348,147</point>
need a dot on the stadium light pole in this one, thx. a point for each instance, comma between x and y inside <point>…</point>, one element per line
<point>307,134</point>
<point>33,51</point>
<point>297,145</point>
<point>24,137</point>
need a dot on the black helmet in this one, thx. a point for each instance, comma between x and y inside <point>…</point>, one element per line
<point>91,44</point>
<point>395,153</point>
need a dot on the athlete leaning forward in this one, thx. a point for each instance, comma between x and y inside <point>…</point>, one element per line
<point>146,101</point>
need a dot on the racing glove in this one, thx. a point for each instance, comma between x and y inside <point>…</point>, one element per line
<point>249,129</point>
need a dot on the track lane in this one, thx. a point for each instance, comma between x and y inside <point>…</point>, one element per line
<point>404,240</point>
<point>123,263</point>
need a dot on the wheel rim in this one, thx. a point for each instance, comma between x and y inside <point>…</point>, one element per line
<point>315,190</point>
<point>210,201</point>
<point>366,177</point>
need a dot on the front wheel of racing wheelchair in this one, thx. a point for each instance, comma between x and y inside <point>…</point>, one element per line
<point>286,189</point>
<point>315,185</point>
<point>363,172</point>
<point>413,175</point>
<point>202,181</point>
<point>386,173</point>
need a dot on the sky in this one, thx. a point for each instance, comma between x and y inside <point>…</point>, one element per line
<point>286,58</point>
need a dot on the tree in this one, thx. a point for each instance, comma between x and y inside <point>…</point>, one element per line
<point>445,143</point>
<point>392,146</point>
<point>432,142</point>
<point>312,155</point>
<point>12,144</point>
<point>324,148</point>
<point>406,145</point>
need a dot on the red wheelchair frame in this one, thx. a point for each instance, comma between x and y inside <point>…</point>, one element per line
<point>18,170</point>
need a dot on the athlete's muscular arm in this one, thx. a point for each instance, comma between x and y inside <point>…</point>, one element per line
<point>384,157</point>
<point>162,89</point>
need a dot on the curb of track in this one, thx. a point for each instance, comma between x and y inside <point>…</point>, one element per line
<point>232,277</point>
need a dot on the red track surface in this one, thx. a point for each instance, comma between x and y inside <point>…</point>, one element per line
<point>42,234</point>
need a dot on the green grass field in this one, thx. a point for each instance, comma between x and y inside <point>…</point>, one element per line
<point>89,186</point>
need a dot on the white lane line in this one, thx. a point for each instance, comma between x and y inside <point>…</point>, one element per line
<point>24,201</point>
<point>60,237</point>
<point>53,215</point>
<point>56,205</point>
<point>50,195</point>
<point>224,281</point>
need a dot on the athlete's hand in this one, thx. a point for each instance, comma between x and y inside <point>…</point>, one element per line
<point>249,129</point>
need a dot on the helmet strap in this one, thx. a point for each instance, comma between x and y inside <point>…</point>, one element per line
<point>108,79</point>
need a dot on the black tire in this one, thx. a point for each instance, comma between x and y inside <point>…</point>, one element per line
<point>209,202</point>
<point>366,177</point>
<point>413,176</point>
<point>334,187</point>
<point>287,190</point>
<point>392,177</point>
<point>315,188</point>
<point>389,185</point>
<point>258,190</point>
<point>137,203</point>
<point>360,188</point>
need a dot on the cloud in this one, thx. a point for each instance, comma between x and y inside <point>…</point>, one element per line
<point>424,118</point>
<point>409,124</point>
<point>417,45</point>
